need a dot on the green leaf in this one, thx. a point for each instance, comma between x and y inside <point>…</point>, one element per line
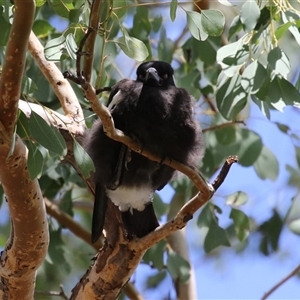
<point>231,97</point>
<point>294,178</point>
<point>23,126</point>
<point>195,25</point>
<point>155,255</point>
<point>288,18</point>
<point>237,199</point>
<point>178,267</point>
<point>279,62</point>
<point>133,48</point>
<point>54,48</point>
<point>282,29</point>
<point>62,8</point>
<point>212,21</point>
<point>46,135</point>
<point>35,161</point>
<point>250,147</point>
<point>173,8</point>
<point>28,86</point>
<point>294,226</point>
<point>249,15</point>
<point>42,28</point>
<point>253,77</point>
<point>206,216</point>
<point>216,236</point>
<point>160,207</point>
<point>5,29</point>
<point>231,57</point>
<point>271,230</point>
<point>40,3</point>
<point>154,280</point>
<point>71,46</point>
<point>83,160</point>
<point>141,24</point>
<point>281,89</point>
<point>235,27</point>
<point>165,47</point>
<point>263,106</point>
<point>241,224</point>
<point>298,155</point>
<point>226,135</point>
<point>267,166</point>
<point>56,251</point>
<point>120,8</point>
<point>156,23</point>
<point>66,204</point>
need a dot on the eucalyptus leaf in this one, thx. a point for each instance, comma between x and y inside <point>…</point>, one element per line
<point>249,15</point>
<point>155,255</point>
<point>46,135</point>
<point>133,48</point>
<point>231,97</point>
<point>267,166</point>
<point>173,9</point>
<point>253,77</point>
<point>195,25</point>
<point>35,161</point>
<point>237,198</point>
<point>54,48</point>
<point>241,224</point>
<point>279,62</point>
<point>178,267</point>
<point>83,160</point>
<point>212,21</point>
<point>216,236</point>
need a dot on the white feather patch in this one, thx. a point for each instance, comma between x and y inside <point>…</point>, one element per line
<point>117,98</point>
<point>126,198</point>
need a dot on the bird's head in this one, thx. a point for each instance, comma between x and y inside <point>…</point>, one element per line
<point>155,73</point>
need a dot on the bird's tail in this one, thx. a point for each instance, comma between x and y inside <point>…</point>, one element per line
<point>140,223</point>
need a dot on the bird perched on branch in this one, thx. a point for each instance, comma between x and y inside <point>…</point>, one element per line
<point>153,111</point>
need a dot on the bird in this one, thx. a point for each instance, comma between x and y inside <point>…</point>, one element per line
<point>160,117</point>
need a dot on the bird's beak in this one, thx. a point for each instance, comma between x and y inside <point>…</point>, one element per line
<point>151,74</point>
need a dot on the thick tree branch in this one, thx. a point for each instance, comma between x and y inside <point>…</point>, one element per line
<point>67,221</point>
<point>59,84</point>
<point>29,239</point>
<point>90,43</point>
<point>28,243</point>
<point>13,66</point>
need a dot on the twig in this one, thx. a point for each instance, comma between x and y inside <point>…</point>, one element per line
<point>224,171</point>
<point>223,125</point>
<point>61,294</point>
<point>281,282</point>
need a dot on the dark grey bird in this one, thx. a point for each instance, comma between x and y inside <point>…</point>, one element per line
<point>153,111</point>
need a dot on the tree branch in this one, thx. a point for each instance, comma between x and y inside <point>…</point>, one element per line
<point>90,43</point>
<point>59,84</point>
<point>28,243</point>
<point>281,282</point>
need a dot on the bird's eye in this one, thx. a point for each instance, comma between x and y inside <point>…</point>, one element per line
<point>165,76</point>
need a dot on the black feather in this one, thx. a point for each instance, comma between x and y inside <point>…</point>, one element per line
<point>160,116</point>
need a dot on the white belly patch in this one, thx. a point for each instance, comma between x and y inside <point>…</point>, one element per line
<point>126,198</point>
